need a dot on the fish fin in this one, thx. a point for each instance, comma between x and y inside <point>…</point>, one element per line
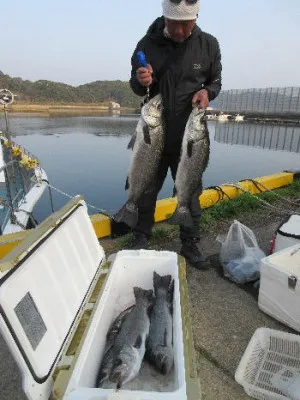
<point>161,358</point>
<point>190,148</point>
<point>127,214</point>
<point>132,141</point>
<point>140,293</point>
<point>182,216</point>
<point>146,133</point>
<point>127,183</point>
<point>138,342</point>
<point>161,281</point>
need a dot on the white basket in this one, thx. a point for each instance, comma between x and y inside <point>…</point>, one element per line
<point>270,366</point>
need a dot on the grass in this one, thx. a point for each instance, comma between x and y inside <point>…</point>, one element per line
<point>248,204</point>
<point>245,204</point>
<point>160,234</point>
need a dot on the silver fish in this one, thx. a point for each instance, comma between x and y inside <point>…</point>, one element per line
<point>160,341</point>
<point>192,164</point>
<point>116,326</point>
<point>108,359</point>
<point>146,156</point>
<point>130,344</point>
<point>106,366</point>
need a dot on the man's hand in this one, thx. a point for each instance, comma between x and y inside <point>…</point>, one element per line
<point>144,75</point>
<point>201,98</point>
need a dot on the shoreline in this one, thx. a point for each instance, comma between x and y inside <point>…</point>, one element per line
<point>63,108</point>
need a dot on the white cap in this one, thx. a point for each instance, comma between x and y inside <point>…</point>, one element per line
<point>180,12</point>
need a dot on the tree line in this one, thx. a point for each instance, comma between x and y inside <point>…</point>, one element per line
<point>44,91</point>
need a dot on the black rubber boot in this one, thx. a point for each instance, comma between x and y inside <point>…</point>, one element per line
<point>191,252</point>
<point>139,241</point>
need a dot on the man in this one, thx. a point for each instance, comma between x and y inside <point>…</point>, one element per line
<point>184,65</point>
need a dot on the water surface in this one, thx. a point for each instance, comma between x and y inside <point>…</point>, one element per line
<point>89,156</point>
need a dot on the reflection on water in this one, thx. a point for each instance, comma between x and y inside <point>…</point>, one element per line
<point>107,126</point>
<point>273,137</point>
<point>88,155</point>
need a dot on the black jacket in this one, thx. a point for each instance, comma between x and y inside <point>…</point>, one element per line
<point>179,71</point>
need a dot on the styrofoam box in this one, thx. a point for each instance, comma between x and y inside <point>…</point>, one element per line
<point>288,233</point>
<point>270,366</point>
<point>130,268</point>
<point>279,293</point>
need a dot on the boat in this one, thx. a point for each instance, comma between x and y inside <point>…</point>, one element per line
<point>239,118</point>
<point>22,179</point>
<point>223,117</point>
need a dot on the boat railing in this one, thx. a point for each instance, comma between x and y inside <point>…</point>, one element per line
<point>17,182</point>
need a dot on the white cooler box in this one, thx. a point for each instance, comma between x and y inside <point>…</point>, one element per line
<point>58,298</point>
<point>288,233</point>
<point>279,293</point>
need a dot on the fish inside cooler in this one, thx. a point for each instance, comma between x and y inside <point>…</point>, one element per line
<point>139,343</point>
<point>132,269</point>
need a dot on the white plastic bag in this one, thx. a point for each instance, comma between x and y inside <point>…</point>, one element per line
<point>240,254</point>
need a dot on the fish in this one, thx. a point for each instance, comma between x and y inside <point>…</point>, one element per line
<point>159,347</point>
<point>116,326</point>
<point>130,344</point>
<point>108,358</point>
<point>148,143</point>
<point>193,162</point>
<point>106,366</point>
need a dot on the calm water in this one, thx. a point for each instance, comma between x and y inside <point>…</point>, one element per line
<point>89,156</point>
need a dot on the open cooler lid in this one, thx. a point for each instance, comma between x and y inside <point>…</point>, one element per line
<point>291,227</point>
<point>48,277</point>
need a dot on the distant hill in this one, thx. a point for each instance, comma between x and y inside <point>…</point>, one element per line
<point>43,91</point>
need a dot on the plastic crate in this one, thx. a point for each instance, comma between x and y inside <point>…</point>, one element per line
<point>270,366</point>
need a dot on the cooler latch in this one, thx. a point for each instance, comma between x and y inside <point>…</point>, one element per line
<point>292,282</point>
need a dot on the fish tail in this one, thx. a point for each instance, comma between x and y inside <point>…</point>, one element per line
<point>143,295</point>
<point>182,216</point>
<point>161,358</point>
<point>161,281</point>
<point>127,214</point>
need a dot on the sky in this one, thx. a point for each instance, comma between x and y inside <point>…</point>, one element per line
<point>77,42</point>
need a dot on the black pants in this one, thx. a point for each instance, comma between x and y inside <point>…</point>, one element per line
<point>147,202</point>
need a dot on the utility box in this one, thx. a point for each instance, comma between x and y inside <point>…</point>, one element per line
<point>279,293</point>
<point>58,298</point>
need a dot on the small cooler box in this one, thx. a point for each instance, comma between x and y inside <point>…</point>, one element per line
<point>279,293</point>
<point>288,233</point>
<point>58,298</point>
